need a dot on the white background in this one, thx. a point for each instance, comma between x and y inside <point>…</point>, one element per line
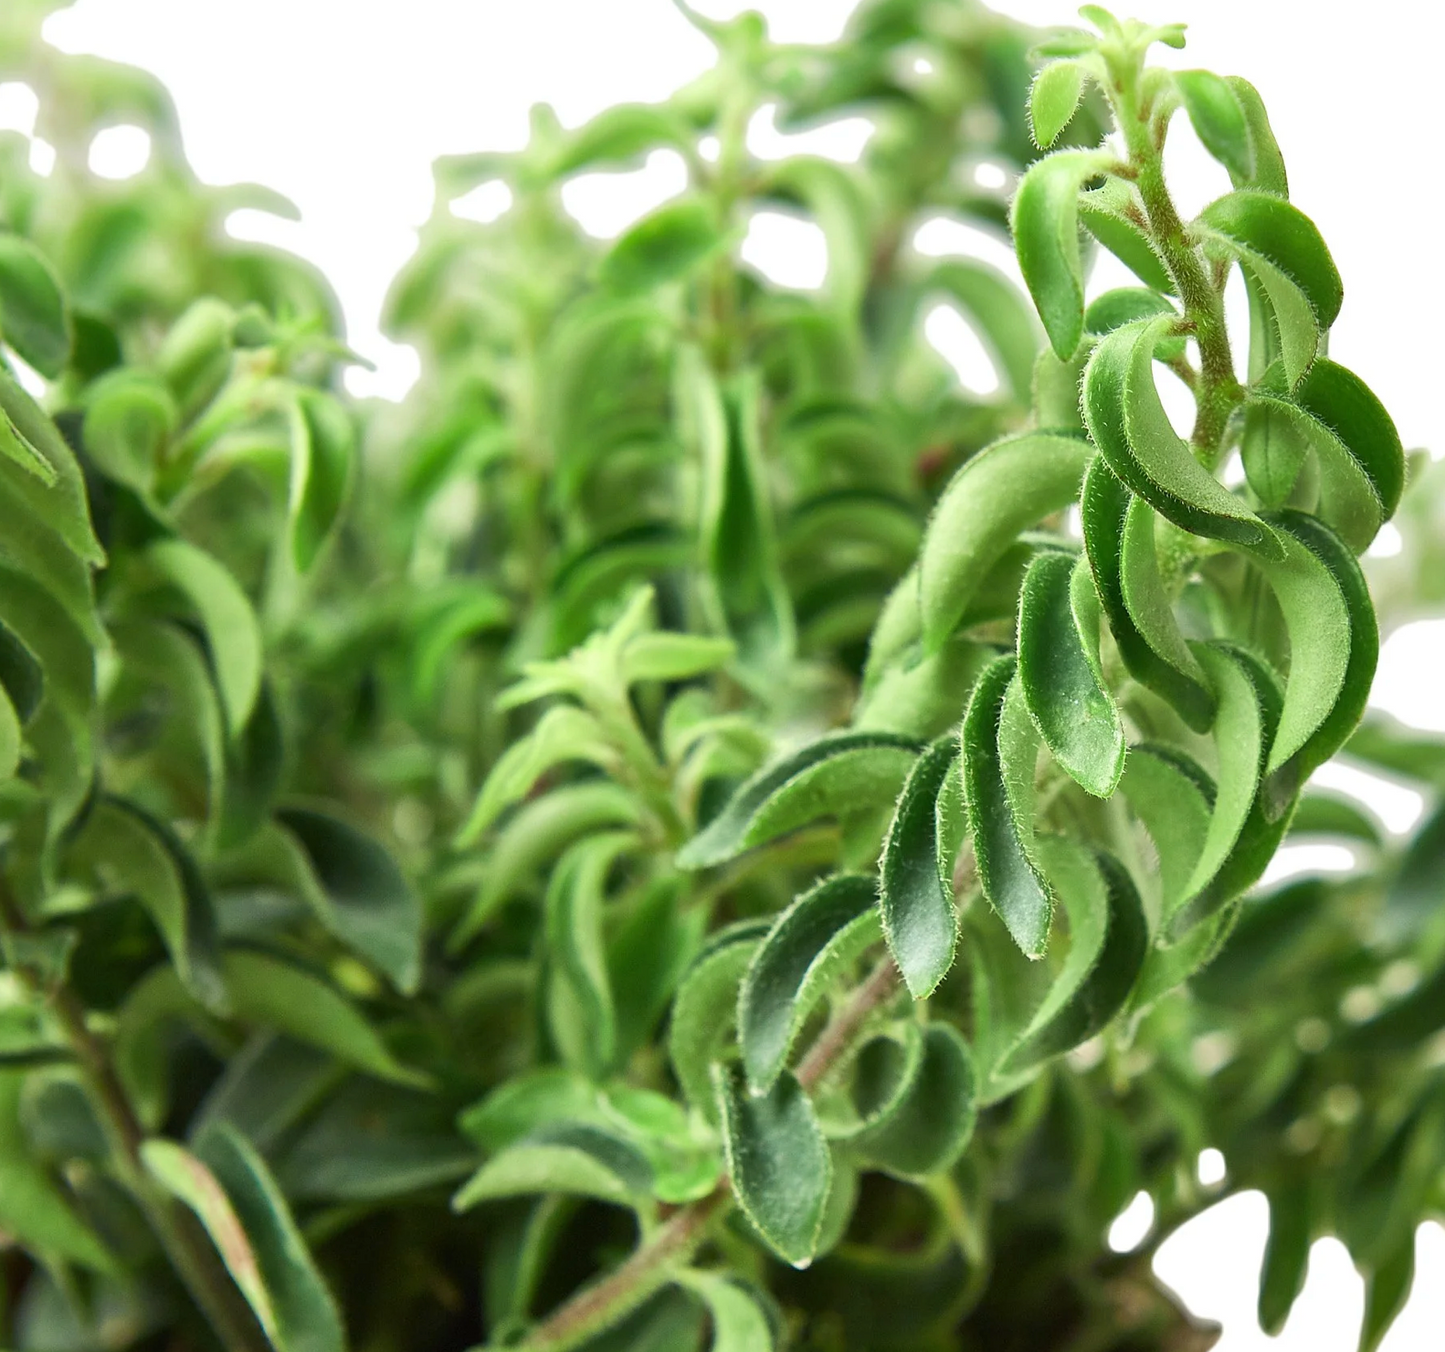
<point>342,105</point>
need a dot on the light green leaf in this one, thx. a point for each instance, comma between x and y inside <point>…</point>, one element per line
<point>1045,217</point>
<point>1059,672</point>
<point>232,631</point>
<point>810,945</point>
<point>915,902</point>
<point>1000,492</point>
<point>130,419</point>
<point>1053,99</point>
<point>778,1162</point>
<point>738,1322</point>
<point>1174,798</point>
<point>323,456</point>
<point>666,246</point>
<point>33,314</point>
<point>575,1158</point>
<point>674,657</point>
<point>268,991</point>
<point>195,356</point>
<point>1219,120</point>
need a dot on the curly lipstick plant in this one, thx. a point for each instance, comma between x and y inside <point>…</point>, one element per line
<point>708,834</point>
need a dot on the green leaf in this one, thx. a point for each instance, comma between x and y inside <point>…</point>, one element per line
<point>33,1208</point>
<point>739,1323</point>
<point>1239,746</point>
<point>33,315</point>
<point>914,900</point>
<point>837,202</point>
<point>1129,426</point>
<point>1268,169</point>
<point>1125,304</point>
<point>778,1162</point>
<point>836,776</point>
<point>664,247</point>
<point>1321,812</point>
<point>1318,631</point>
<point>233,634</point>
<point>1059,672</point>
<point>537,832</point>
<point>1111,214</point>
<point>580,1002</point>
<point>809,946</point>
<point>1045,217</point>
<point>1286,1255</point>
<point>705,1010</point>
<point>1174,798</point>
<point>994,496</point>
<point>1219,120</point>
<point>993,306</point>
<point>58,497</point>
<point>1105,511</point>
<point>1387,1288</point>
<point>188,1180</point>
<point>360,893</point>
<point>998,770</point>
<point>619,137</point>
<point>575,1158</point>
<point>130,419</point>
<point>1054,98</point>
<point>1337,399</point>
<point>323,457</point>
<point>131,851</point>
<point>1282,248</point>
<point>269,991</point>
<point>304,1311</point>
<point>931,1120</point>
<point>736,534</point>
<point>1109,938</point>
<point>195,357</point>
<point>1145,595</point>
<point>674,657</point>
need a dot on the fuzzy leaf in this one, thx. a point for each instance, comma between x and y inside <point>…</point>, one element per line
<point>836,775</point>
<point>778,1162</point>
<point>997,494</point>
<point>808,946</point>
<point>1059,672</point>
<point>998,789</point>
<point>1053,99</point>
<point>1219,120</point>
<point>1045,217</point>
<point>919,919</point>
<point>738,1322</point>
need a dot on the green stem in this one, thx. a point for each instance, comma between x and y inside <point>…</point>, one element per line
<point>1217,391</point>
<point>185,1242</point>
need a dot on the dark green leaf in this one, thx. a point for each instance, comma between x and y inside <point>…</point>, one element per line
<point>998,771</point>
<point>1059,672</point>
<point>915,901</point>
<point>809,946</point>
<point>778,1162</point>
<point>33,315</point>
<point>1286,1255</point>
<point>323,458</point>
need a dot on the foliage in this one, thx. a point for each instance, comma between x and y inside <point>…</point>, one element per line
<point>707,832</point>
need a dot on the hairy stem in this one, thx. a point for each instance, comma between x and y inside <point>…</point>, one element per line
<point>1216,389</point>
<point>600,1305</point>
<point>185,1242</point>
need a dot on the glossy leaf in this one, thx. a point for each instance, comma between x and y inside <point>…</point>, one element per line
<point>1059,673</point>
<point>809,945</point>
<point>778,1162</point>
<point>914,900</point>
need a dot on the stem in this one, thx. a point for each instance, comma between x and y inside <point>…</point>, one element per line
<point>599,1306</point>
<point>181,1234</point>
<point>1216,390</point>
